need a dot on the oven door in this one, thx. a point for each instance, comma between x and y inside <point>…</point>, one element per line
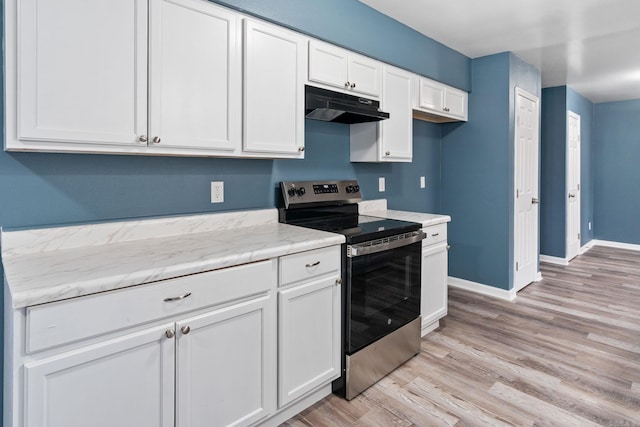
<point>383,290</point>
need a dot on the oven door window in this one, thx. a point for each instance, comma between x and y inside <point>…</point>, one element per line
<point>384,293</point>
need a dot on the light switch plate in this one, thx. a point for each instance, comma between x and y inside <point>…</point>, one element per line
<point>423,182</point>
<point>381,184</point>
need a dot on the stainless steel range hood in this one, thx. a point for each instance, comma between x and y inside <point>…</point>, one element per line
<point>329,106</point>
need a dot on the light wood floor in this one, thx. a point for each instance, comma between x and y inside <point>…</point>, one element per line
<point>565,353</point>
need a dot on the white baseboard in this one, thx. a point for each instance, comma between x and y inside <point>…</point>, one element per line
<point>554,260</point>
<point>585,247</point>
<point>481,288</point>
<point>618,245</point>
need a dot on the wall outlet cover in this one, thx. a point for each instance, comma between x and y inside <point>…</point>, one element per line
<point>381,184</point>
<point>217,191</point>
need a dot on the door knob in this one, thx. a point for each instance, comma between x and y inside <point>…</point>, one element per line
<point>535,201</point>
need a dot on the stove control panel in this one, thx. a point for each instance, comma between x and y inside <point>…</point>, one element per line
<point>310,193</point>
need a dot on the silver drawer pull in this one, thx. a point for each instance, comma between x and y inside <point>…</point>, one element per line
<point>435,234</point>
<point>183,296</point>
<point>312,265</point>
<point>448,247</point>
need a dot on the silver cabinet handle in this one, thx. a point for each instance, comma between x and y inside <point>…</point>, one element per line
<point>353,85</point>
<point>445,109</point>
<point>156,140</point>
<point>170,333</point>
<point>301,149</point>
<point>448,247</point>
<point>535,201</point>
<point>387,153</point>
<point>183,296</point>
<point>347,84</point>
<point>143,138</point>
<point>571,195</point>
<point>338,282</point>
<point>435,234</point>
<point>312,265</point>
<point>185,329</point>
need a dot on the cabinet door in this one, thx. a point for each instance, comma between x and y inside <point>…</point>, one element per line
<point>328,64</point>
<point>274,76</point>
<point>456,103</point>
<point>308,337</point>
<point>195,76</point>
<point>365,75</point>
<point>397,131</point>
<point>431,95</point>
<point>225,367</point>
<point>128,381</point>
<point>81,73</point>
<point>433,304</point>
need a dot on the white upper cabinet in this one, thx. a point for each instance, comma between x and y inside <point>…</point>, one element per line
<point>83,68</point>
<point>274,77</point>
<point>195,76</point>
<point>437,102</point>
<point>389,140</point>
<point>78,72</point>
<point>332,66</point>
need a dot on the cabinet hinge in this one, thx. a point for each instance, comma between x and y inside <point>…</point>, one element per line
<point>517,266</point>
<point>578,187</point>
<point>578,236</point>
<point>517,193</point>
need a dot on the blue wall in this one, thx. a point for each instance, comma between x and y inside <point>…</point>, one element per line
<point>616,160</point>
<point>556,102</point>
<point>475,180</point>
<point>553,172</point>
<point>478,170</point>
<point>585,108</point>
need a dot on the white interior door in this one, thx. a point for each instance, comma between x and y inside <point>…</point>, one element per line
<point>573,185</point>
<point>526,189</point>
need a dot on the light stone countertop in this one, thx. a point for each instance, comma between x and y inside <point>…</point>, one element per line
<point>379,208</point>
<point>51,264</point>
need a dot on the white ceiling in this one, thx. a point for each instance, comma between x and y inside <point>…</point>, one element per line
<point>593,46</point>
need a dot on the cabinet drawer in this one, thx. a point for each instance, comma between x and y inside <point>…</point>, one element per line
<point>435,234</point>
<point>305,265</point>
<point>63,322</point>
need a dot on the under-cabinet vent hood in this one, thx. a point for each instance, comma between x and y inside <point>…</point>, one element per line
<point>329,106</point>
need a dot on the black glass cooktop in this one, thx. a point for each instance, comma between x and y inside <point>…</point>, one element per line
<point>360,228</point>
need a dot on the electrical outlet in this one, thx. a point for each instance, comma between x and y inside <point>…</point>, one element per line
<point>589,225</point>
<point>217,191</point>
<point>423,182</point>
<point>381,184</point>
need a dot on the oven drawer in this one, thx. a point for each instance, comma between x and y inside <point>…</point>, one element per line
<point>309,264</point>
<point>435,234</point>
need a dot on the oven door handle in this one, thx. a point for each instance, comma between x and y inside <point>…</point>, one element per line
<point>380,245</point>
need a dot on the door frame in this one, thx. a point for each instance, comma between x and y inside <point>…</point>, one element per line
<point>518,285</point>
<point>570,256</point>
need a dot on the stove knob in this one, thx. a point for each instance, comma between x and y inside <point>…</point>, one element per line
<point>291,192</point>
<point>349,189</point>
<point>301,191</point>
<point>356,188</point>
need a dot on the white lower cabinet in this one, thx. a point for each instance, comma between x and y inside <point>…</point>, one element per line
<point>308,322</point>
<point>225,365</point>
<point>433,301</point>
<point>309,344</point>
<point>127,381</point>
<point>221,348</point>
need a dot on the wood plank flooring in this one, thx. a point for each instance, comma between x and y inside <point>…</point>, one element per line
<point>565,353</point>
